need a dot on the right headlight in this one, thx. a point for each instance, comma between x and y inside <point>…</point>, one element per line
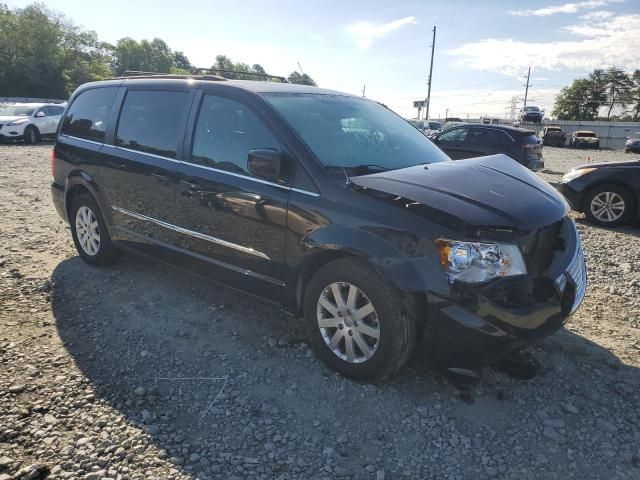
<point>578,172</point>
<point>477,262</point>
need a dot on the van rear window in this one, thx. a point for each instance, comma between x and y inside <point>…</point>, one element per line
<point>150,121</point>
<point>87,115</point>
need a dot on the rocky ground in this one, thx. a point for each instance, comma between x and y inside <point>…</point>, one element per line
<point>139,371</point>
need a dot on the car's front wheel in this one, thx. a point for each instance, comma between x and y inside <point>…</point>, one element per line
<point>31,135</point>
<point>609,206</point>
<point>356,321</point>
<point>90,234</point>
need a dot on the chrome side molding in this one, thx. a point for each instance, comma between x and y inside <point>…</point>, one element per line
<point>191,233</point>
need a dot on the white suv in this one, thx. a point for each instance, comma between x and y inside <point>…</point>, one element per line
<point>30,121</point>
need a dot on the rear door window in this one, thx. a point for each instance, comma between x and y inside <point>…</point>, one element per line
<point>457,135</point>
<point>87,114</point>
<point>487,137</point>
<point>151,121</point>
<point>225,133</point>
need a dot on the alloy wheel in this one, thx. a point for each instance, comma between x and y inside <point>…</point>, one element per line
<point>607,206</point>
<point>348,322</point>
<point>87,231</point>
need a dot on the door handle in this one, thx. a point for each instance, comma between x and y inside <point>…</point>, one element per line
<point>160,178</point>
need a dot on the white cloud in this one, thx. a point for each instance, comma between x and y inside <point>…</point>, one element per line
<point>616,42</point>
<point>597,15</point>
<point>564,8</point>
<point>366,32</point>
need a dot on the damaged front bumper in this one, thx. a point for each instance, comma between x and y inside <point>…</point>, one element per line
<point>476,326</point>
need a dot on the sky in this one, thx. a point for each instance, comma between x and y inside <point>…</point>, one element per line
<point>482,53</point>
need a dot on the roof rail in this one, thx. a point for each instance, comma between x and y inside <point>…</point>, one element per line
<point>238,72</point>
<point>200,74</point>
<point>139,74</point>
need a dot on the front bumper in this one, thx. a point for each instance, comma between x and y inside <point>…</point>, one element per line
<point>488,323</point>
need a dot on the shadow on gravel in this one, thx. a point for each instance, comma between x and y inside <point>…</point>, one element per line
<point>207,372</point>
<point>632,228</point>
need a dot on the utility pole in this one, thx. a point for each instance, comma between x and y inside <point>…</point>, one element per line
<point>526,91</point>
<point>364,87</point>
<point>433,47</point>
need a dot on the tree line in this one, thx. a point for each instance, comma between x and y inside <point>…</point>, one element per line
<point>601,91</point>
<point>44,54</point>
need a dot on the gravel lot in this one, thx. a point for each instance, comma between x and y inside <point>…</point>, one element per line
<point>140,371</point>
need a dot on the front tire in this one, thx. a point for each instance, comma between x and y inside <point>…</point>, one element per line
<point>609,206</point>
<point>90,233</point>
<point>356,321</point>
<point>31,135</point>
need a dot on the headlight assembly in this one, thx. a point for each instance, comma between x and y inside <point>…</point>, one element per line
<point>18,122</point>
<point>476,262</point>
<point>578,172</point>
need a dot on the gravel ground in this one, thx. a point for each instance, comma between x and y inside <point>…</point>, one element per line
<point>139,371</point>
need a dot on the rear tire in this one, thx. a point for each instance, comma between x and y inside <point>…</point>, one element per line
<point>90,233</point>
<point>609,206</point>
<point>356,321</point>
<point>31,135</point>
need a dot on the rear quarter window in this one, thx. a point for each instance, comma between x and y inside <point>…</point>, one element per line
<point>87,115</point>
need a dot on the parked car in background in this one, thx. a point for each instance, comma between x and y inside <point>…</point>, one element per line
<point>553,136</point>
<point>30,122</point>
<point>476,140</point>
<point>531,114</point>
<point>428,127</point>
<point>452,123</point>
<point>607,193</point>
<point>633,143</point>
<point>490,121</point>
<point>434,127</point>
<point>327,204</point>
<point>584,139</point>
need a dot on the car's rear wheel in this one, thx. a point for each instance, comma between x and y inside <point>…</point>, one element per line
<point>356,321</point>
<point>31,135</point>
<point>90,234</point>
<point>609,206</point>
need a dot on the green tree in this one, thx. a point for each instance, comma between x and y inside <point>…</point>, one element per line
<point>619,87</point>
<point>301,79</point>
<point>635,96</point>
<point>146,56</point>
<point>30,53</point>
<point>573,103</point>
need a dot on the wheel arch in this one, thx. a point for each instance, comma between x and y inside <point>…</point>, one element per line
<point>392,266</point>
<point>79,182</point>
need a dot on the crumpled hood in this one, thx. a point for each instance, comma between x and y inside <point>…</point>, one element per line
<point>494,191</point>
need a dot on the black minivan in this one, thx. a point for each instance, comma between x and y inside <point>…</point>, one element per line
<point>328,204</point>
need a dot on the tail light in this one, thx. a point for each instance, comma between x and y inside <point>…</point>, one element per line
<point>53,162</point>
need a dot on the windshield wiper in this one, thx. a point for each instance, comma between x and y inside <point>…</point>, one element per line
<point>369,167</point>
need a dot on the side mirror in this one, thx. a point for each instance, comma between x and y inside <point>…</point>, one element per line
<point>40,114</point>
<point>265,163</point>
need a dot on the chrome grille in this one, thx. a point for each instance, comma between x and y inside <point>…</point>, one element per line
<point>575,274</point>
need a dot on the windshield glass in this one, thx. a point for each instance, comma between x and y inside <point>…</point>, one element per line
<point>435,125</point>
<point>531,109</point>
<point>636,136</point>
<point>16,110</point>
<point>350,132</point>
<point>585,134</point>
